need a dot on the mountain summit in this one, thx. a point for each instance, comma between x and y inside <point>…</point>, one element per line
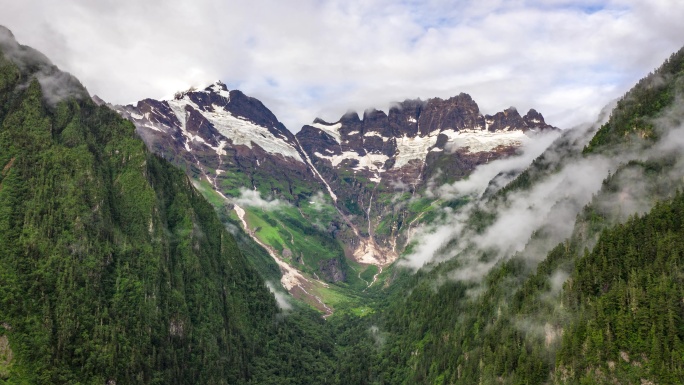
<point>221,136</point>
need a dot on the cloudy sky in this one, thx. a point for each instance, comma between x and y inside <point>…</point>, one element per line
<point>309,58</point>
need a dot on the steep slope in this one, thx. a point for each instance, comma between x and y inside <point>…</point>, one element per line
<point>368,161</point>
<point>629,324</point>
<point>245,161</point>
<point>113,268</point>
<point>111,264</point>
<point>221,135</point>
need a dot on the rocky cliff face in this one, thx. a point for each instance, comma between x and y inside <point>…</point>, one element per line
<point>397,147</point>
<point>232,146</point>
<point>225,138</point>
<point>365,159</point>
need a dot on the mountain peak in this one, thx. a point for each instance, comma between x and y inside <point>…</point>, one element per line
<point>407,104</point>
<point>98,101</point>
<point>511,110</point>
<point>350,116</point>
<point>321,121</point>
<point>6,33</point>
<point>217,87</point>
<point>373,115</point>
<point>534,120</point>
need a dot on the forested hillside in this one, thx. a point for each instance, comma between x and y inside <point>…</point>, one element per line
<point>111,265</point>
<point>604,306</point>
<point>113,269</point>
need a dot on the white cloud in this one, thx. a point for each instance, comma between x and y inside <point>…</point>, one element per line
<point>252,198</point>
<point>477,182</point>
<point>318,201</point>
<point>428,240</point>
<point>550,204</point>
<point>282,299</point>
<point>553,201</point>
<point>320,58</point>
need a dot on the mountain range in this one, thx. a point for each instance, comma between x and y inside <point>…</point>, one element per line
<point>144,244</point>
<point>360,171</point>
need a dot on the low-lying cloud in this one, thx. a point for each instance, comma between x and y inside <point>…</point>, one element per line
<point>282,299</point>
<point>252,198</point>
<point>55,84</point>
<point>550,206</point>
<point>477,182</point>
<point>318,201</point>
<point>517,218</point>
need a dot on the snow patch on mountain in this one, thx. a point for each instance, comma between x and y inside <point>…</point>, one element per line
<point>483,141</point>
<point>332,130</point>
<point>413,148</point>
<point>377,134</point>
<point>152,127</point>
<point>237,129</point>
<point>219,88</point>
<point>371,162</point>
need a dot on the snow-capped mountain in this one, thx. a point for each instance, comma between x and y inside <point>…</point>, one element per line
<point>368,161</point>
<point>215,118</point>
<point>224,137</point>
<point>359,168</point>
<point>400,146</point>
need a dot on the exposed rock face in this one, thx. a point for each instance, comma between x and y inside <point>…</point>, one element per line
<point>417,141</point>
<point>510,119</point>
<point>227,138</point>
<point>236,145</point>
<point>397,147</point>
<point>332,271</point>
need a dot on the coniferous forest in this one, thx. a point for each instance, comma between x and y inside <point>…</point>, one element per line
<point>115,270</point>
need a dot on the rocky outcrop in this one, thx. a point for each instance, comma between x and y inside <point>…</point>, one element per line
<point>331,270</point>
<point>398,146</point>
<point>510,119</point>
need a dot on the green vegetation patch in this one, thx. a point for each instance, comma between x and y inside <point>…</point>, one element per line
<point>369,273</point>
<point>286,229</point>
